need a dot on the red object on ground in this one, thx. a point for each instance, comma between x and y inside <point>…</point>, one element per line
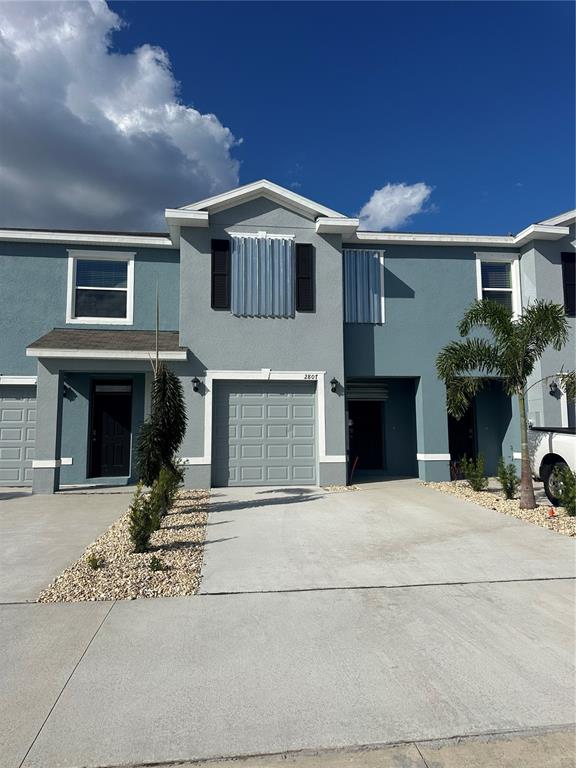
<point>551,512</point>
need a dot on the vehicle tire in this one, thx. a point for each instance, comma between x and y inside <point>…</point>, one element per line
<point>552,482</point>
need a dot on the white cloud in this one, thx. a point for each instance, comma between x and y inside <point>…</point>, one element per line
<point>392,205</point>
<point>94,138</point>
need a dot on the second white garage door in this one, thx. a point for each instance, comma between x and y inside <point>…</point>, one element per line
<point>264,433</point>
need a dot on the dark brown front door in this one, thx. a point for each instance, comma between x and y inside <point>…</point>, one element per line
<point>365,425</point>
<point>111,429</point>
<point>462,436</point>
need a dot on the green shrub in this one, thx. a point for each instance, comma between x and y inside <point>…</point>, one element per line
<point>94,561</point>
<point>142,522</point>
<point>508,478</point>
<point>473,471</point>
<point>161,435</point>
<point>163,494</point>
<point>568,490</point>
<point>156,564</point>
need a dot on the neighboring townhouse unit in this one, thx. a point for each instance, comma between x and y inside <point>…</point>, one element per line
<point>305,346</point>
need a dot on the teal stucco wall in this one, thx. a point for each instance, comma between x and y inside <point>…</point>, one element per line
<point>33,284</point>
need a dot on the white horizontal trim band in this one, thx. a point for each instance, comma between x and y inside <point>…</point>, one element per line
<point>332,459</point>
<point>31,380</point>
<point>85,239</point>
<point>105,354</point>
<point>193,461</point>
<point>51,463</point>
<point>433,456</point>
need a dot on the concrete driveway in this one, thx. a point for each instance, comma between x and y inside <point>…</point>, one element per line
<point>392,614</point>
<point>42,535</point>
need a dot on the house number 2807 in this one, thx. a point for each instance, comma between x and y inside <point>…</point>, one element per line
<point>311,376</point>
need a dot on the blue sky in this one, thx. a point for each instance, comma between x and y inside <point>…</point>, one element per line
<point>474,99</point>
<point>461,114</point>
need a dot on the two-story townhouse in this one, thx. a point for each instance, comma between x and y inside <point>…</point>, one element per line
<point>305,346</point>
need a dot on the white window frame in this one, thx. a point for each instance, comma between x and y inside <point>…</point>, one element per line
<point>505,258</point>
<point>73,257</point>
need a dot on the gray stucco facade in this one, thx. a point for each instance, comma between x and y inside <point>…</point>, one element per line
<point>377,403</point>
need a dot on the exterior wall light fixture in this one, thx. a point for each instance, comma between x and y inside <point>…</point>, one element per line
<point>554,390</point>
<point>334,384</point>
<point>196,384</point>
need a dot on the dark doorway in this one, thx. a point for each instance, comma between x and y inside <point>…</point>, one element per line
<point>110,431</point>
<point>365,434</point>
<point>462,436</point>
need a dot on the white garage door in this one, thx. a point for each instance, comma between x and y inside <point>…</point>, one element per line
<point>17,433</point>
<point>264,433</point>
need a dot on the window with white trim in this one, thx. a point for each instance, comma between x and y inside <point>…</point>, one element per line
<point>498,280</point>
<point>100,288</point>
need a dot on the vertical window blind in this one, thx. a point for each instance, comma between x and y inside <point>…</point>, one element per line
<point>363,286</point>
<point>262,276</point>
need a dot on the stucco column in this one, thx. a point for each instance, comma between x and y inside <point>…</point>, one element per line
<point>46,476</point>
<point>432,430</point>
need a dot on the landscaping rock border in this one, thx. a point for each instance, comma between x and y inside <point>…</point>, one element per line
<point>125,575</point>
<point>494,499</point>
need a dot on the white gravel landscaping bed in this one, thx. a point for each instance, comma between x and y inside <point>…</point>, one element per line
<point>125,575</point>
<point>493,498</point>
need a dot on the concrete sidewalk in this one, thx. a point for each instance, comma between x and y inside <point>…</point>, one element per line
<point>214,676</point>
<point>554,748</point>
<point>42,535</point>
<point>301,655</point>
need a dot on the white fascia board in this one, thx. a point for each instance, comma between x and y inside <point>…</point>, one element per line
<point>262,188</point>
<point>563,218</point>
<point>185,218</point>
<point>336,225</point>
<point>17,380</point>
<point>80,238</point>
<point>540,232</point>
<point>178,217</point>
<point>105,354</point>
<point>428,239</point>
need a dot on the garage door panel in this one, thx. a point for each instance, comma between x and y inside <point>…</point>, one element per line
<point>278,412</point>
<point>264,433</point>
<point>303,451</point>
<point>304,475</point>
<point>8,434</point>
<point>17,433</point>
<point>11,454</point>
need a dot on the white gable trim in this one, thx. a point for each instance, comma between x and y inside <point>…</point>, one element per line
<point>263,188</point>
<point>563,218</point>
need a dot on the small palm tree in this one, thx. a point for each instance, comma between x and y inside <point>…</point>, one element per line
<point>516,346</point>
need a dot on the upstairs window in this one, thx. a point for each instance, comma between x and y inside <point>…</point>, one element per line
<point>498,280</point>
<point>569,283</point>
<point>363,286</point>
<point>497,283</point>
<point>100,288</point>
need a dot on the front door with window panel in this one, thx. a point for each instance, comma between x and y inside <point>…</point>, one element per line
<point>111,429</point>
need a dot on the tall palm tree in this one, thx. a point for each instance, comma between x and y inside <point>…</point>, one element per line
<point>516,345</point>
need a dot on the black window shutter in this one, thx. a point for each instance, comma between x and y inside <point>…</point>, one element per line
<point>220,274</point>
<point>305,278</point>
<point>569,283</point>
